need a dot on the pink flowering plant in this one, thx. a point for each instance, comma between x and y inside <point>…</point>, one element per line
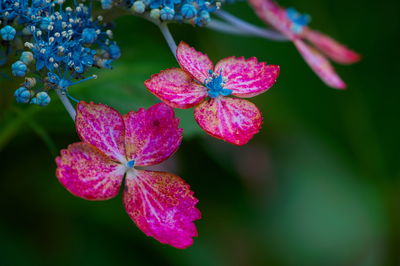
<point>198,83</point>
<point>294,26</point>
<point>114,149</point>
<point>55,45</point>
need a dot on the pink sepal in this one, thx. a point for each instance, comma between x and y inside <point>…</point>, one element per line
<point>162,206</point>
<point>103,127</point>
<point>176,88</point>
<point>321,66</point>
<point>193,62</point>
<point>331,48</point>
<point>271,13</point>
<point>230,119</point>
<point>152,135</point>
<point>87,172</point>
<point>247,78</point>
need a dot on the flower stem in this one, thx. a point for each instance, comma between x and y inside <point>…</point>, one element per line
<point>67,104</point>
<point>250,28</point>
<point>168,37</point>
<point>227,28</point>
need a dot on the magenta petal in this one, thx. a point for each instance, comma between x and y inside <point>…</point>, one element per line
<point>103,127</point>
<point>231,119</point>
<point>152,135</point>
<point>247,78</point>
<point>176,88</point>
<point>195,63</point>
<point>162,206</point>
<point>330,47</point>
<point>271,13</point>
<point>88,173</point>
<point>321,66</point>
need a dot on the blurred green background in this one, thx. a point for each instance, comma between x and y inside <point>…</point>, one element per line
<point>318,186</point>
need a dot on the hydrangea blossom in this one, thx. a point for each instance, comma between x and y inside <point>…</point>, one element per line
<point>62,41</point>
<point>116,147</point>
<point>294,25</point>
<point>201,84</point>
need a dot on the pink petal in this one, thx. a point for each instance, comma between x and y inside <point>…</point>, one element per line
<point>162,206</point>
<point>88,173</point>
<point>152,135</point>
<point>334,50</point>
<point>231,119</point>
<point>271,13</point>
<point>103,127</point>
<point>247,78</point>
<point>176,88</point>
<point>320,65</point>
<point>195,63</point>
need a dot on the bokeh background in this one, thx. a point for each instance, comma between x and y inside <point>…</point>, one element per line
<point>318,186</point>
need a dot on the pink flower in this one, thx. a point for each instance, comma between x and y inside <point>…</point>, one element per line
<point>161,204</point>
<point>201,84</point>
<point>294,26</point>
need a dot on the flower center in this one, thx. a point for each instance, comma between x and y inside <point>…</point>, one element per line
<point>299,20</point>
<point>215,84</point>
<point>130,164</point>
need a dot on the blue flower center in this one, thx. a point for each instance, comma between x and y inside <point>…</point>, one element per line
<point>215,84</point>
<point>130,164</point>
<point>299,20</point>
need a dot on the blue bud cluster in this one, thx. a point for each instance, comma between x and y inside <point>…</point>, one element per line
<point>55,45</point>
<point>196,12</point>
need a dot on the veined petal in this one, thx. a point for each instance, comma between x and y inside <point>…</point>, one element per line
<point>195,63</point>
<point>321,66</point>
<point>87,172</point>
<point>331,48</point>
<point>247,78</point>
<point>162,206</point>
<point>176,88</point>
<point>103,127</point>
<point>152,135</point>
<point>230,119</point>
<point>271,13</point>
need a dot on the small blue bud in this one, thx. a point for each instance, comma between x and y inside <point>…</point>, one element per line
<point>26,57</point>
<point>41,99</point>
<point>114,51</point>
<point>45,23</point>
<point>139,7</point>
<point>204,18</point>
<point>30,83</point>
<point>8,33</point>
<point>130,164</point>
<point>106,4</point>
<point>188,11</point>
<point>167,13</point>
<point>19,69</point>
<point>292,13</point>
<point>89,35</point>
<point>22,95</point>
<point>155,13</point>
